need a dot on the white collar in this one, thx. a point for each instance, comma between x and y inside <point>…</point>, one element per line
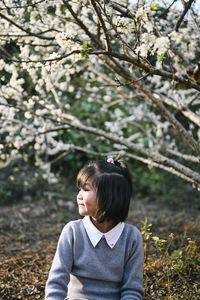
<point>95,235</point>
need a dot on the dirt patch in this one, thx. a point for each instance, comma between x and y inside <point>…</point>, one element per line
<point>29,232</point>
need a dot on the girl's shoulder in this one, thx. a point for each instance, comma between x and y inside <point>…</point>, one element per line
<point>71,230</point>
<point>131,230</point>
<point>132,237</point>
<point>130,227</point>
<point>74,224</point>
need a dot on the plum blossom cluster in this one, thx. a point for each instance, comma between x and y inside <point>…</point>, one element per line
<point>151,45</point>
<point>142,15</point>
<point>64,39</point>
<point>123,24</point>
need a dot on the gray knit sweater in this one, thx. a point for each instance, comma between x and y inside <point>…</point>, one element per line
<point>81,271</point>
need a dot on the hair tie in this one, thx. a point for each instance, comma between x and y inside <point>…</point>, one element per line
<point>110,160</point>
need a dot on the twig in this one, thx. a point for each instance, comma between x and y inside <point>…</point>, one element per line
<point>123,10</point>
<point>22,6</point>
<point>99,16</point>
<point>25,30</point>
<point>191,158</point>
<point>153,71</point>
<point>183,109</point>
<point>187,7</point>
<point>82,25</point>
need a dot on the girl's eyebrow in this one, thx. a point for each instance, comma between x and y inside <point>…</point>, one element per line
<point>88,185</point>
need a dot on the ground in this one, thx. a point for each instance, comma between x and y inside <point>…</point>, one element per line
<point>29,232</point>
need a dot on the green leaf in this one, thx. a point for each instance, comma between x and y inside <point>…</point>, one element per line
<point>162,57</point>
<point>84,45</point>
<point>84,54</point>
<point>134,28</point>
<point>154,6</point>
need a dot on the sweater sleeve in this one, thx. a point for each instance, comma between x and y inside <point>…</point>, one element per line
<point>132,282</point>
<point>59,274</point>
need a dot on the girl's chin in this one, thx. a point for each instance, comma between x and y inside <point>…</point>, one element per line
<point>82,215</point>
<point>82,212</point>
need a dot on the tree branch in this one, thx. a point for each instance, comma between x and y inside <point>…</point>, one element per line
<point>156,157</point>
<point>190,158</point>
<point>161,108</point>
<point>123,10</point>
<point>82,26</point>
<point>183,109</point>
<point>22,6</point>
<point>187,7</point>
<point>126,154</point>
<point>171,119</point>
<point>152,71</point>
<point>31,44</point>
<point>25,30</point>
<point>162,167</point>
<point>99,16</point>
<point>42,60</point>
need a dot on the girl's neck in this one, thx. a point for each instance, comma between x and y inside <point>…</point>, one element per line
<point>103,227</point>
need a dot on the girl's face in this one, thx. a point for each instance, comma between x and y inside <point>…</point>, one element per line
<point>87,201</point>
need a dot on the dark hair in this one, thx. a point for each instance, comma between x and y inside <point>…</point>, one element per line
<point>112,182</point>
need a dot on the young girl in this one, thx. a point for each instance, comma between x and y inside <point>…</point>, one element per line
<point>99,257</point>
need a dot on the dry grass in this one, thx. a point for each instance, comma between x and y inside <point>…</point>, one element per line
<point>172,264</point>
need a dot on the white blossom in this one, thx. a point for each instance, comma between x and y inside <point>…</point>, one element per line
<point>28,115</point>
<point>161,45</point>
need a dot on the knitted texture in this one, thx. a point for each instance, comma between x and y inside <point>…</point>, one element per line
<point>82,271</point>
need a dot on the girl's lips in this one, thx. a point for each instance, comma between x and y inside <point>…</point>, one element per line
<point>81,204</point>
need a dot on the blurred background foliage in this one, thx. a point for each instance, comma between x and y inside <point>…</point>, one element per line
<point>21,180</point>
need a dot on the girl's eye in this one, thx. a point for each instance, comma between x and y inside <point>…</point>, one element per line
<point>83,189</point>
<point>86,188</point>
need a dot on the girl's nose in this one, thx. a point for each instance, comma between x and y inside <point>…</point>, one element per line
<point>79,196</point>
